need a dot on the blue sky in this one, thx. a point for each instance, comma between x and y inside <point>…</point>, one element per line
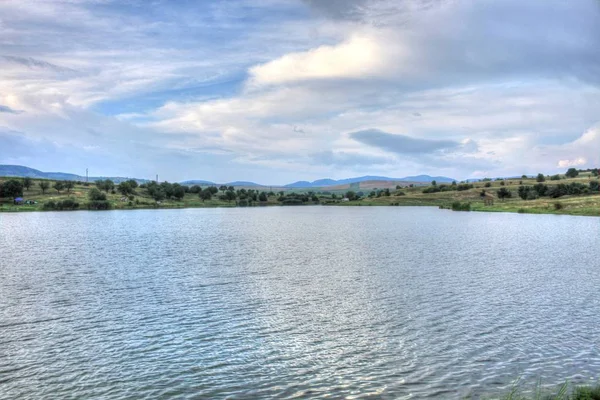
<point>275,91</point>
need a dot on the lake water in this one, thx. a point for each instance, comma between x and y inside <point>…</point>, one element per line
<point>295,302</point>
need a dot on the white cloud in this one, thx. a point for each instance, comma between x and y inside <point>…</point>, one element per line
<point>358,57</point>
<point>514,91</point>
<point>572,163</point>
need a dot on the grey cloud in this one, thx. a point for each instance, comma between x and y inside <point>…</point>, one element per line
<point>7,109</point>
<point>346,159</point>
<point>377,12</point>
<point>338,9</point>
<point>35,64</point>
<point>401,144</point>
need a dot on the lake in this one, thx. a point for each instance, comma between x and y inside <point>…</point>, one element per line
<point>295,302</point>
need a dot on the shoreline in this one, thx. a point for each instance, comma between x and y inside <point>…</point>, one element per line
<point>532,211</point>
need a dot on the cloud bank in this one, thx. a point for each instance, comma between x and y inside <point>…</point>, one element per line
<point>284,90</point>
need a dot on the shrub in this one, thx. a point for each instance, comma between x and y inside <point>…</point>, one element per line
<point>558,206</point>
<point>67,204</point>
<point>487,184</point>
<point>96,195</point>
<point>99,205</point>
<point>504,193</point>
<point>243,203</point>
<point>458,206</point>
<point>464,186</point>
<point>572,173</point>
<point>400,193</point>
<point>540,178</point>
<point>49,205</point>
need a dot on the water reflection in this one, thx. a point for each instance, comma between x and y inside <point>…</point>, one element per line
<point>294,302</point>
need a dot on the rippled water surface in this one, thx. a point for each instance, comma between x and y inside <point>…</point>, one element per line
<point>299,302</point>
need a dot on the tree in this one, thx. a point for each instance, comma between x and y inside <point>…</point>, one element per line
<point>12,188</point>
<point>96,195</point>
<point>158,194</point>
<point>540,178</point>
<point>595,172</point>
<point>433,183</point>
<point>106,185</point>
<point>572,173</point>
<point>350,195</point>
<point>178,191</point>
<point>213,189</point>
<point>205,194</point>
<point>504,193</point>
<point>58,185</point>
<point>223,188</point>
<point>69,185</point>
<point>44,185</point>
<point>125,188</point>
<point>195,189</point>
<point>262,196</point>
<point>27,182</point>
<point>133,183</point>
<point>230,195</point>
<point>231,188</point>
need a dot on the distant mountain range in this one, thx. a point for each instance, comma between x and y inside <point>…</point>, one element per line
<point>333,182</point>
<point>21,171</point>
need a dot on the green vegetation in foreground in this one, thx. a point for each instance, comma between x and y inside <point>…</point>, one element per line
<point>574,193</point>
<point>563,392</point>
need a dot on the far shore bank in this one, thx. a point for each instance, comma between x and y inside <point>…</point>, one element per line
<point>560,195</point>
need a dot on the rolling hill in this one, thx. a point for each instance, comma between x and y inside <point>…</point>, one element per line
<point>21,171</point>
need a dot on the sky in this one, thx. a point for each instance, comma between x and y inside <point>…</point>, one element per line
<point>275,91</point>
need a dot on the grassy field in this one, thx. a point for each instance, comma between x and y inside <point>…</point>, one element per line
<point>588,204</point>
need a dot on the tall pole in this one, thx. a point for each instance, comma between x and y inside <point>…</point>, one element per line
<point>156,178</point>
<point>86,175</point>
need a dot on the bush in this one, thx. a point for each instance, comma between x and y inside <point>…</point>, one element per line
<point>431,189</point>
<point>400,193</point>
<point>572,173</point>
<point>68,204</point>
<point>458,206</point>
<point>464,186</point>
<point>558,206</point>
<point>243,203</point>
<point>487,184</point>
<point>49,205</point>
<point>504,193</point>
<point>540,178</point>
<point>96,195</point>
<point>99,205</point>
